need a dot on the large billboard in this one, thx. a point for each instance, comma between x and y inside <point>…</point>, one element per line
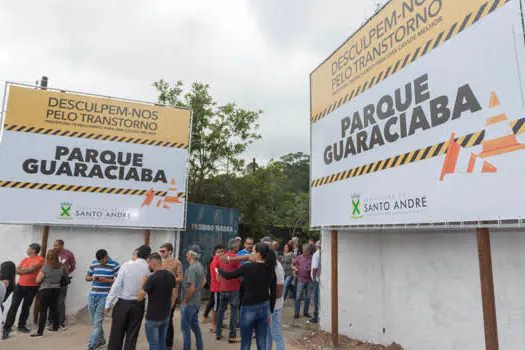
<point>68,158</point>
<point>418,117</point>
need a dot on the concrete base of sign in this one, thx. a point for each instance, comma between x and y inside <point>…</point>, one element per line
<point>422,289</point>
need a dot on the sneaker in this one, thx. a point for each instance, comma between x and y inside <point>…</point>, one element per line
<point>296,316</point>
<point>51,328</point>
<point>5,334</point>
<point>37,335</point>
<point>63,326</point>
<point>100,343</point>
<point>24,330</point>
<point>234,340</point>
<point>219,337</point>
<point>313,320</point>
<point>307,315</point>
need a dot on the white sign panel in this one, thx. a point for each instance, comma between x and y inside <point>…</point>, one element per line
<point>439,139</point>
<point>77,160</point>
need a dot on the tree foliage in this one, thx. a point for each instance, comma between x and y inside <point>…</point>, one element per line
<point>268,196</point>
<point>219,135</point>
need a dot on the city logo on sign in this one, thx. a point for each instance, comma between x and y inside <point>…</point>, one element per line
<point>356,206</point>
<point>65,211</point>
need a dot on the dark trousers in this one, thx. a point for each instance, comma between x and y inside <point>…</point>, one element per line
<point>171,334</point>
<point>213,303</point>
<point>25,294</point>
<point>48,299</point>
<point>61,306</point>
<point>127,319</point>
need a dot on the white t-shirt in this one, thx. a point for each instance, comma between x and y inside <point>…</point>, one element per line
<point>279,273</point>
<point>316,265</point>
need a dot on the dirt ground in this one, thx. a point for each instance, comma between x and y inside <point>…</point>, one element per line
<point>298,335</point>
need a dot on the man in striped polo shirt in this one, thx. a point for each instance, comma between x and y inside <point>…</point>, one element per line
<point>102,273</point>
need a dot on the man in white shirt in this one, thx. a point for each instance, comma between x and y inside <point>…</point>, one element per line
<point>316,278</point>
<point>128,312</point>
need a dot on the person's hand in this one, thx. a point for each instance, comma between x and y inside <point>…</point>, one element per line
<point>252,258</point>
<point>184,303</point>
<point>106,312</point>
<point>270,321</point>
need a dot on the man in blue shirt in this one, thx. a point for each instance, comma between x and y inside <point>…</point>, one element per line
<point>102,273</point>
<point>248,246</point>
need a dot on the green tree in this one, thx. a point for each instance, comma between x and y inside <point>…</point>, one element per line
<point>219,135</point>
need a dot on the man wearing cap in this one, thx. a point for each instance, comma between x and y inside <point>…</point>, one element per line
<point>191,302</point>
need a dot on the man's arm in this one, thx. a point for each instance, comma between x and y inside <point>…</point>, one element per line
<point>25,270</point>
<point>189,294</point>
<point>144,287</point>
<point>226,259</point>
<point>174,294</point>
<point>115,290</point>
<point>179,273</point>
<point>73,263</point>
<point>315,265</point>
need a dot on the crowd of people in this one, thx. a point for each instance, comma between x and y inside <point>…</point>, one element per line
<point>252,279</point>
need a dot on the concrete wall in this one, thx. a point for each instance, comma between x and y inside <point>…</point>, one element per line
<point>83,242</point>
<point>422,290</point>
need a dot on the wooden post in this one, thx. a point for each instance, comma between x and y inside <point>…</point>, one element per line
<point>43,251</point>
<point>335,285</point>
<point>45,236</point>
<point>146,237</point>
<point>487,289</point>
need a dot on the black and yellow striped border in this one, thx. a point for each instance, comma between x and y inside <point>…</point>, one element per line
<point>92,136</point>
<point>84,189</point>
<point>429,152</point>
<point>473,17</point>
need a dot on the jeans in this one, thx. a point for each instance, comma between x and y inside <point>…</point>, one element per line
<point>156,333</point>
<point>255,317</point>
<point>316,300</point>
<point>288,287</point>
<point>189,321</point>
<point>300,287</point>
<point>226,298</point>
<point>96,305</point>
<point>25,294</point>
<point>275,332</point>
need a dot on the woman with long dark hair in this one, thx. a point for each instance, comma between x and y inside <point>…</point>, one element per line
<point>49,278</point>
<point>258,300</point>
<point>7,282</point>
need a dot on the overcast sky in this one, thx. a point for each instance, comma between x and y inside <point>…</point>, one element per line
<point>258,54</point>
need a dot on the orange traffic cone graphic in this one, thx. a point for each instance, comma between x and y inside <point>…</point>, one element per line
<point>451,158</point>
<point>171,196</point>
<point>499,137</point>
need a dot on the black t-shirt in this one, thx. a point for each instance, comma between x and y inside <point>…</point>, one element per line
<point>159,287</point>
<point>259,283</point>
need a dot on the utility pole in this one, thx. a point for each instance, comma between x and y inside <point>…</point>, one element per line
<point>254,165</point>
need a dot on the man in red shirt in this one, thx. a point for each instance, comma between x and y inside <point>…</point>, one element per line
<point>229,293</point>
<point>25,290</point>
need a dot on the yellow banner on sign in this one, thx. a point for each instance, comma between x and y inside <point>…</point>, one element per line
<point>35,110</point>
<point>399,34</point>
